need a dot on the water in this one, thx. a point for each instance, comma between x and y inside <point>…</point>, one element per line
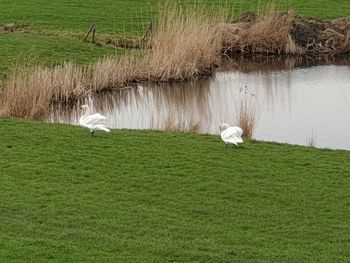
<point>296,105</point>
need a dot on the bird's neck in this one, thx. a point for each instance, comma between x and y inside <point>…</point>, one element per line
<point>87,112</point>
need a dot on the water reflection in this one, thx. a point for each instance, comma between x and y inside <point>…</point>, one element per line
<point>295,104</point>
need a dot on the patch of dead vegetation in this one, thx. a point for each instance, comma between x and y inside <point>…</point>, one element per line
<point>326,37</point>
<point>12,27</point>
<point>285,33</point>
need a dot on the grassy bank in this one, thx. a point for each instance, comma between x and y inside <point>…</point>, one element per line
<point>185,44</point>
<point>131,17</point>
<point>119,18</point>
<point>133,196</point>
<point>26,49</point>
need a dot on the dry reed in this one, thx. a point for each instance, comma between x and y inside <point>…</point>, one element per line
<point>173,126</point>
<point>29,93</point>
<point>247,117</point>
<point>186,44</point>
<point>267,34</point>
<point>311,141</point>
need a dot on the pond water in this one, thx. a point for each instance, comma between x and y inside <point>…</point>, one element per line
<point>294,102</point>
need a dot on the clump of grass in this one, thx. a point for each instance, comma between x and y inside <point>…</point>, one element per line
<point>174,125</point>
<point>247,117</point>
<point>311,141</point>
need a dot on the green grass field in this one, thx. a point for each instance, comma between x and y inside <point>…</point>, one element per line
<point>122,15</point>
<point>141,196</point>
<point>22,49</point>
<point>120,18</point>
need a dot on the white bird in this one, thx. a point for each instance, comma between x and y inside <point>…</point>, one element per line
<point>232,135</point>
<point>93,122</point>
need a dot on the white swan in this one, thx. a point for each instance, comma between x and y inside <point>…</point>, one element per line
<point>232,135</point>
<point>93,122</point>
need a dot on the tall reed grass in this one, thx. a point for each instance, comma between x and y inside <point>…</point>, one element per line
<point>247,117</point>
<point>311,141</point>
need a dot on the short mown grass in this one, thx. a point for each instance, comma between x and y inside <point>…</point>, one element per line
<point>144,196</point>
<point>131,17</point>
<point>29,50</point>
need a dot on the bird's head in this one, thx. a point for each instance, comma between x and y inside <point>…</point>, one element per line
<point>223,126</point>
<point>84,108</point>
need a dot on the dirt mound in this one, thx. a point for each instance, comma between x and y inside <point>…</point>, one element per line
<point>12,27</point>
<point>285,33</point>
<point>316,36</point>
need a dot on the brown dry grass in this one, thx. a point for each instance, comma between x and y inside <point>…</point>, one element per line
<point>29,93</point>
<point>247,117</point>
<point>271,34</point>
<point>186,44</point>
<point>268,34</point>
<point>172,125</point>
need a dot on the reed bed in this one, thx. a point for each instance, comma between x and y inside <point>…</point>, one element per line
<point>29,94</point>
<point>184,44</point>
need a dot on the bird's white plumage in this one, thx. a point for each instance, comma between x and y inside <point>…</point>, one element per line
<point>93,122</point>
<point>231,135</point>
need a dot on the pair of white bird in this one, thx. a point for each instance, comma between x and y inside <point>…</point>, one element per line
<point>95,122</point>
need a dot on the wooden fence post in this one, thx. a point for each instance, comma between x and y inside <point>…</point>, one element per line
<point>93,29</point>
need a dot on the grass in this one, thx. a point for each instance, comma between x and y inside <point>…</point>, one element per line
<point>123,16</point>
<point>19,49</point>
<point>142,196</point>
<point>120,18</point>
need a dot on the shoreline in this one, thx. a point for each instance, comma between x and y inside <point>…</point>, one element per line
<point>185,45</point>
